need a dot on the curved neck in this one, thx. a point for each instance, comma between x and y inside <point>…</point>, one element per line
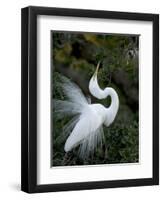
<point>112,110</point>
<point>114,96</point>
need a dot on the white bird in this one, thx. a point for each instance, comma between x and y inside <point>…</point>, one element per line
<point>86,127</point>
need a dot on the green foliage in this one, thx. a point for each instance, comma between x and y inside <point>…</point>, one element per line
<point>76,55</point>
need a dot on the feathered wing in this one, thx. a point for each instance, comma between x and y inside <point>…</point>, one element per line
<point>72,91</point>
<point>63,108</point>
<point>85,128</point>
<point>88,133</point>
<point>73,106</point>
<point>76,101</point>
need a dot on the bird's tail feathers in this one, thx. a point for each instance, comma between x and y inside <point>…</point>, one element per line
<point>91,143</point>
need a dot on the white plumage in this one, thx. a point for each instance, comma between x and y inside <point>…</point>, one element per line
<point>86,127</point>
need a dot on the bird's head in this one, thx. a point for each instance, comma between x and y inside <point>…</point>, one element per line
<point>96,71</point>
<point>94,87</point>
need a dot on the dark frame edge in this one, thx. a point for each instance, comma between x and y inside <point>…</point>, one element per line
<point>28,101</point>
<point>24,99</point>
<point>93,185</point>
<point>156,99</point>
<point>103,14</point>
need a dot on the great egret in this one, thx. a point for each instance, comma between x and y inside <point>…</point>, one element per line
<point>86,127</point>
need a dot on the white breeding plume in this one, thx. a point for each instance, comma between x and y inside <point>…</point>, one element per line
<point>86,127</point>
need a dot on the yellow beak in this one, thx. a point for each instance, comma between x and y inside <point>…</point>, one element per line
<point>97,68</point>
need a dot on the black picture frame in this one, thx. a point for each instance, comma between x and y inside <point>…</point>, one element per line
<point>29,98</point>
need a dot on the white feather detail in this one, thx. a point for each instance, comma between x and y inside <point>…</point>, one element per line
<point>72,91</point>
<point>66,108</point>
<point>90,143</point>
<point>85,128</point>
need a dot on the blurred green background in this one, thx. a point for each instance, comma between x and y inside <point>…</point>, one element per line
<point>75,55</point>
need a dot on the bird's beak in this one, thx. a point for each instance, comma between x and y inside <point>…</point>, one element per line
<point>95,74</point>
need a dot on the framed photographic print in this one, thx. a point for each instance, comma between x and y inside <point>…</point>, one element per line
<point>90,99</point>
